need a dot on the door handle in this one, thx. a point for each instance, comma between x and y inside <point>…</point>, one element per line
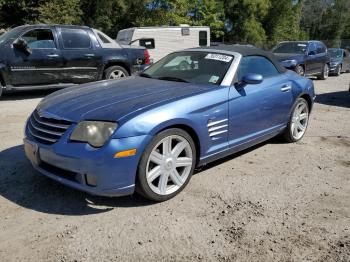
<point>53,55</point>
<point>89,55</point>
<point>286,88</point>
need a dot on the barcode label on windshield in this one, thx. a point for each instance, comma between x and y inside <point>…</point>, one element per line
<point>223,58</point>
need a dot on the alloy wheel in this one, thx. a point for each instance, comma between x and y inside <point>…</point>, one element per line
<point>325,71</point>
<point>169,165</point>
<point>117,74</point>
<point>339,70</point>
<point>300,120</point>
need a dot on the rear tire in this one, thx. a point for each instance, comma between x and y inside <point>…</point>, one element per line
<point>115,72</point>
<point>298,121</point>
<point>166,165</point>
<point>325,72</point>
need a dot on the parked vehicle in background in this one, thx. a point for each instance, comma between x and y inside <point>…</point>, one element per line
<point>54,56</point>
<point>307,58</point>
<point>340,61</point>
<point>161,41</point>
<point>149,132</point>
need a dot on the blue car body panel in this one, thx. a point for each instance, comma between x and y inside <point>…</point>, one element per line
<point>221,119</point>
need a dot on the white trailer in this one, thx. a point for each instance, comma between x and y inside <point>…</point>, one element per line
<point>163,40</point>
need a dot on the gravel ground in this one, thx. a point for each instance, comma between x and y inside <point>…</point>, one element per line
<point>275,202</point>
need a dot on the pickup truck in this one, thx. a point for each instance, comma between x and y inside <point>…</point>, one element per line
<point>57,56</point>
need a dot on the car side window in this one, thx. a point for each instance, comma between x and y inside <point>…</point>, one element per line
<point>40,39</point>
<point>256,65</point>
<point>312,49</point>
<point>75,39</point>
<point>320,48</point>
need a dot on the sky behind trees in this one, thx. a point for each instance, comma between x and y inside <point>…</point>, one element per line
<point>258,22</point>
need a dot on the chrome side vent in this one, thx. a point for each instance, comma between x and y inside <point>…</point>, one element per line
<point>47,130</point>
<point>216,128</point>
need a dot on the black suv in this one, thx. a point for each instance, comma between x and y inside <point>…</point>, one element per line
<point>54,56</point>
<point>307,58</point>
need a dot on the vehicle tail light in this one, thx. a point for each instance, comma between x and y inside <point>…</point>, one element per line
<point>147,57</point>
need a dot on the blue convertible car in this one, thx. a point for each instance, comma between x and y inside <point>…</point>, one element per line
<point>149,132</point>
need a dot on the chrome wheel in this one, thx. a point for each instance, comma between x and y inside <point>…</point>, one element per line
<point>300,120</point>
<point>169,165</point>
<point>116,74</point>
<point>339,70</point>
<point>325,71</point>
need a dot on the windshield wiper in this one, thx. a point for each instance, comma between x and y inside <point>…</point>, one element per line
<point>145,75</point>
<point>172,78</point>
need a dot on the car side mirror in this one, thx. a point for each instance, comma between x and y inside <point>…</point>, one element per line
<point>22,45</point>
<point>312,53</point>
<point>252,79</point>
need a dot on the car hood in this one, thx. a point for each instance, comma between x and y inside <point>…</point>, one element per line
<point>112,100</point>
<point>287,56</point>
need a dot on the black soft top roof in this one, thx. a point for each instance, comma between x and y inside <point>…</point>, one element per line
<point>249,50</point>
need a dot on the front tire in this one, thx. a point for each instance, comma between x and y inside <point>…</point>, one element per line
<point>325,72</point>
<point>115,72</point>
<point>166,165</point>
<point>338,71</point>
<point>298,121</point>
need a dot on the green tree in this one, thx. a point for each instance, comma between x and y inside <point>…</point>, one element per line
<point>247,17</point>
<point>165,12</point>
<point>209,13</point>
<point>59,12</point>
<point>283,21</point>
<point>109,15</point>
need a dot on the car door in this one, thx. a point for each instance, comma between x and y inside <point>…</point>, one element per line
<point>346,61</point>
<point>311,63</point>
<point>42,64</point>
<point>80,59</point>
<point>321,56</point>
<point>256,110</point>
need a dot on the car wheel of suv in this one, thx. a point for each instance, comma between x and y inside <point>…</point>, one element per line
<point>0,91</point>
<point>338,71</point>
<point>115,72</point>
<point>325,72</point>
<point>300,70</point>
<point>166,165</point>
<point>298,121</point>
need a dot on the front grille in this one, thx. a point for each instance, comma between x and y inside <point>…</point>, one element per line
<point>47,130</point>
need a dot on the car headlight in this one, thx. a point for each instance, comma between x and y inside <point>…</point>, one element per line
<point>96,133</point>
<point>290,62</point>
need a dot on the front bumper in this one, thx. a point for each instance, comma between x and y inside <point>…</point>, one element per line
<point>76,164</point>
<point>333,68</point>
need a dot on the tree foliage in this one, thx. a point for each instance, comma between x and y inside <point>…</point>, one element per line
<point>258,22</point>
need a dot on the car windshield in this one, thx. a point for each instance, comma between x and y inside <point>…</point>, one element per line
<point>197,67</point>
<point>335,53</point>
<point>291,48</point>
<point>10,35</point>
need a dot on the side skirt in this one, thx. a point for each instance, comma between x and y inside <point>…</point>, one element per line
<point>238,148</point>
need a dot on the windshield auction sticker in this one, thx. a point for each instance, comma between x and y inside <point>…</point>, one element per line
<point>218,57</point>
